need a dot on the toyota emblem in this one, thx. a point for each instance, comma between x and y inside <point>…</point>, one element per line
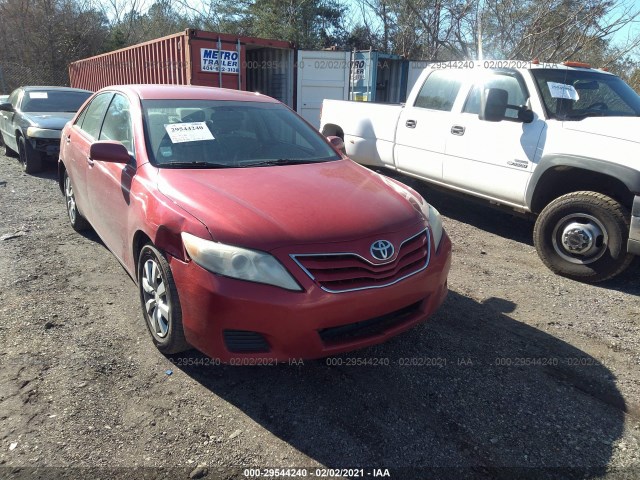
<point>381,249</point>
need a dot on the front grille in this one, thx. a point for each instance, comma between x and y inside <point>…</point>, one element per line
<point>244,341</point>
<point>367,328</point>
<point>346,272</point>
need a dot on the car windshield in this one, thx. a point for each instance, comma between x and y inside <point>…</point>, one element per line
<point>577,94</point>
<point>53,100</point>
<point>229,134</point>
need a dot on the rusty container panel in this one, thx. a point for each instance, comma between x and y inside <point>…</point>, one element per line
<point>164,60</point>
<point>195,57</point>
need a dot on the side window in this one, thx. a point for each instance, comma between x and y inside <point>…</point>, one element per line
<point>439,91</point>
<point>80,118</point>
<point>94,115</point>
<point>117,123</point>
<point>517,94</point>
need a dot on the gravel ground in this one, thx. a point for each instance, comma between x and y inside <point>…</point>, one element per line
<point>521,373</point>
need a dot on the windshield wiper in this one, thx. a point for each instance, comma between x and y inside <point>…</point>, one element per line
<point>193,165</point>
<point>281,161</point>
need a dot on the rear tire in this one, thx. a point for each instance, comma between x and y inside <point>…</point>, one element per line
<point>31,159</point>
<point>583,236</point>
<point>78,222</point>
<point>160,302</point>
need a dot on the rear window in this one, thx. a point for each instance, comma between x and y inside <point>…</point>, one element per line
<point>230,134</point>
<point>53,101</point>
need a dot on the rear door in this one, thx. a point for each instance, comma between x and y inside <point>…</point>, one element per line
<point>423,125</point>
<point>75,152</point>
<point>321,75</point>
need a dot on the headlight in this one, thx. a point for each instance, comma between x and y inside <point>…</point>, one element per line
<point>35,132</point>
<point>435,221</point>
<point>238,262</point>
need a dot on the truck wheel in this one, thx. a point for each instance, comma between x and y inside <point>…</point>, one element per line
<point>160,302</point>
<point>31,159</point>
<point>583,236</point>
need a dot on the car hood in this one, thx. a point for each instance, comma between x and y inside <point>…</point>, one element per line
<point>622,128</point>
<point>52,121</point>
<point>270,207</point>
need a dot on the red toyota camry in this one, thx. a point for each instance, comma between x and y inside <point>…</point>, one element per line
<point>249,236</point>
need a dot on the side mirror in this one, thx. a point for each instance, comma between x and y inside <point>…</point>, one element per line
<point>337,143</point>
<point>109,151</point>
<point>6,107</point>
<point>494,104</point>
<point>525,115</point>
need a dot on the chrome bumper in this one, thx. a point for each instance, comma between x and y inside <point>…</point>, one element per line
<point>633,245</point>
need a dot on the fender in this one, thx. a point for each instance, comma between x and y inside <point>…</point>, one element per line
<point>628,176</point>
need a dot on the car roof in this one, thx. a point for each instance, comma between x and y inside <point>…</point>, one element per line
<point>63,89</point>
<point>190,92</point>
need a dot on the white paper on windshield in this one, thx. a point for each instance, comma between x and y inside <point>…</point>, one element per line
<point>562,90</point>
<point>38,95</point>
<point>188,132</point>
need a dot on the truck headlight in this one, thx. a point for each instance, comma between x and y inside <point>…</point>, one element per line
<point>36,132</point>
<point>238,262</point>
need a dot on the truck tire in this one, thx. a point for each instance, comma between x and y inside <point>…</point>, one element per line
<point>583,236</point>
<point>31,159</point>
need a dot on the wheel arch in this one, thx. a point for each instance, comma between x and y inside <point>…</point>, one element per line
<point>561,175</point>
<point>61,170</point>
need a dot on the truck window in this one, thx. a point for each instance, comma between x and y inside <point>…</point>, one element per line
<point>518,94</point>
<point>577,94</point>
<point>439,91</point>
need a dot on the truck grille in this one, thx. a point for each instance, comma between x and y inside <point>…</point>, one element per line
<point>347,272</point>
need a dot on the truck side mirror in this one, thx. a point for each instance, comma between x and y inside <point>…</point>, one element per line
<point>525,115</point>
<point>337,143</point>
<point>494,104</point>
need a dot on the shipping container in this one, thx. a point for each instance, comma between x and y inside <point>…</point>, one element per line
<point>378,77</point>
<point>195,57</point>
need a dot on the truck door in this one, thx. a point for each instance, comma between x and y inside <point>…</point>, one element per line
<point>422,129</point>
<point>321,75</point>
<point>493,159</point>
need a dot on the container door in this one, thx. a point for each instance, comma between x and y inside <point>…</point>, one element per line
<point>321,75</point>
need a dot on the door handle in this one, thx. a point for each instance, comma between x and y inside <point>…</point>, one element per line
<point>68,139</point>
<point>411,124</point>
<point>89,161</point>
<point>457,130</point>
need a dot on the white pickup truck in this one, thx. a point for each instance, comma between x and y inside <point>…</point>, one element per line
<point>561,142</point>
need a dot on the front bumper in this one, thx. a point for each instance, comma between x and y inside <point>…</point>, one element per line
<point>303,325</point>
<point>48,144</point>
<point>633,245</point>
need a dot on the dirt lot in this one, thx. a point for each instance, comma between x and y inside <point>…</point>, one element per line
<point>521,374</point>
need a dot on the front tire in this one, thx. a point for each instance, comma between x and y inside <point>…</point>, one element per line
<point>583,236</point>
<point>30,158</point>
<point>160,302</point>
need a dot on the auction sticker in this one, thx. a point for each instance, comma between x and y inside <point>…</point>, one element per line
<point>188,132</point>
<point>561,90</point>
